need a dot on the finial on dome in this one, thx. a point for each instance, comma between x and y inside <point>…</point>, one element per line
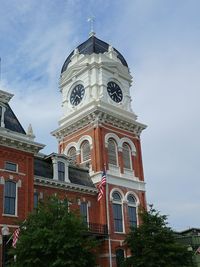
<point>91,19</point>
<point>110,48</point>
<point>76,51</point>
<point>30,133</point>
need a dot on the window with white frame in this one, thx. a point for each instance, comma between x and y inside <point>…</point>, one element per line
<point>10,197</point>
<point>84,211</point>
<point>117,212</point>
<point>61,171</point>
<point>72,153</point>
<point>10,166</point>
<point>112,152</point>
<point>132,211</point>
<point>126,155</point>
<point>85,151</point>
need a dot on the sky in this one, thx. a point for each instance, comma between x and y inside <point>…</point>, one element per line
<point>160,41</point>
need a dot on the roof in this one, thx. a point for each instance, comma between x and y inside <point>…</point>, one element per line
<point>190,231</point>
<point>11,121</point>
<point>43,167</point>
<point>90,46</point>
<point>80,176</point>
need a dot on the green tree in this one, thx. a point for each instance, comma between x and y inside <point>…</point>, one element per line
<point>53,236</point>
<point>153,243</point>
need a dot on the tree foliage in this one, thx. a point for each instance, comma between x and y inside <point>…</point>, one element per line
<point>153,243</point>
<point>53,236</point>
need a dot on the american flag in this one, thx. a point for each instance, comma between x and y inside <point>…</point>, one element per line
<point>15,237</point>
<point>101,186</point>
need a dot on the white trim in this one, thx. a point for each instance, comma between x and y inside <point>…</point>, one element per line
<point>82,139</point>
<point>135,196</point>
<point>38,180</point>
<point>122,207</point>
<point>132,205</point>
<point>113,166</point>
<point>128,141</point>
<point>55,160</point>
<point>119,191</point>
<point>17,184</point>
<point>69,146</point>
<point>127,170</point>
<point>11,162</point>
<point>113,136</point>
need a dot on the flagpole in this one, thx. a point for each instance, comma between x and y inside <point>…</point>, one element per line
<point>108,221</point>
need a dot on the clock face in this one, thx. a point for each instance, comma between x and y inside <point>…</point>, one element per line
<point>114,92</point>
<point>77,94</point>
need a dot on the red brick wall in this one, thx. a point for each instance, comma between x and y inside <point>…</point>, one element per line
<point>24,161</point>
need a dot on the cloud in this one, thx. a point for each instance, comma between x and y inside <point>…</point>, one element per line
<point>160,41</point>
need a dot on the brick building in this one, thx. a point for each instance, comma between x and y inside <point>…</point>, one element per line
<point>98,130</point>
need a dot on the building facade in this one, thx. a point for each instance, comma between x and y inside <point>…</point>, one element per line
<point>98,131</point>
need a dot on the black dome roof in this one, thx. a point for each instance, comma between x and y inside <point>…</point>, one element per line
<point>93,45</point>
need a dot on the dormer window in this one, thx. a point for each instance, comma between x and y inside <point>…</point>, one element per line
<point>10,166</point>
<point>61,171</point>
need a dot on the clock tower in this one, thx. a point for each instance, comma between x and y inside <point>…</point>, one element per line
<point>99,130</point>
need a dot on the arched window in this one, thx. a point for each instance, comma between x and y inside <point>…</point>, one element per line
<point>72,153</point>
<point>132,211</point>
<point>10,198</point>
<point>117,212</point>
<point>126,154</point>
<point>61,171</point>
<point>112,152</point>
<point>85,151</point>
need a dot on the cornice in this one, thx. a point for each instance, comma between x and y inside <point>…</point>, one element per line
<point>97,116</point>
<point>121,181</point>
<point>38,180</point>
<point>19,141</point>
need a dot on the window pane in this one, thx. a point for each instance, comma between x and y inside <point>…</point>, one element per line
<point>35,200</point>
<point>117,212</point>
<point>116,196</point>
<point>83,210</point>
<point>9,197</point>
<point>85,149</point>
<point>131,199</point>
<point>61,171</point>
<point>11,166</point>
<point>126,153</point>
<point>132,216</point>
<point>10,189</point>
<point>72,153</point>
<point>112,152</point>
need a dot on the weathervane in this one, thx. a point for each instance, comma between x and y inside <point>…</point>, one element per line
<point>91,19</point>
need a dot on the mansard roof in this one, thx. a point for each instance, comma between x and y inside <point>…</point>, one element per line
<point>43,167</point>
<point>90,46</point>
<point>11,121</point>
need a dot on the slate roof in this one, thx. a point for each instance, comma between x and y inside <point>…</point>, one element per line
<point>11,121</point>
<point>80,176</point>
<point>43,167</point>
<point>93,45</point>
